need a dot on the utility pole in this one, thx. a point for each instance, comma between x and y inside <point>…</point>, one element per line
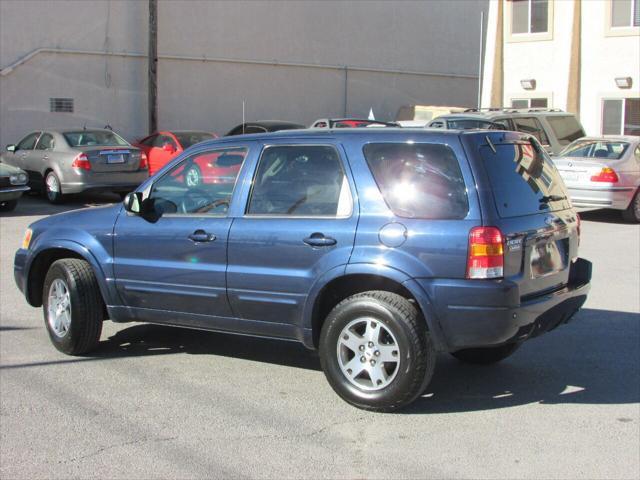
<point>153,66</point>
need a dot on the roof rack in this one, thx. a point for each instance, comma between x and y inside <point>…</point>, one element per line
<point>513,110</point>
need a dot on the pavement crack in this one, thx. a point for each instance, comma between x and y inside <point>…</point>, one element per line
<point>106,448</point>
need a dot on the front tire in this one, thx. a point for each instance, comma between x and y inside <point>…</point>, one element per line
<point>376,352</point>
<point>486,356</point>
<point>632,213</point>
<point>73,307</point>
<point>52,188</point>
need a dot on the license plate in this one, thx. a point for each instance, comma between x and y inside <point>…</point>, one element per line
<point>569,176</point>
<point>115,158</point>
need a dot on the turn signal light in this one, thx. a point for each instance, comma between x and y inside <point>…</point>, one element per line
<point>606,175</point>
<point>82,162</point>
<point>486,253</point>
<point>144,161</point>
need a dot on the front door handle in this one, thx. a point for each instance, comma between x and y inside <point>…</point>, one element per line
<point>200,236</point>
<point>319,240</point>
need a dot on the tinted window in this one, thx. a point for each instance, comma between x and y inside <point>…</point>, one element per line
<point>566,128</point>
<point>631,116</point>
<point>531,126</point>
<point>187,139</point>
<point>521,177</point>
<point>254,129</point>
<point>419,180</point>
<point>28,142</point>
<point>438,124</point>
<point>468,124</point>
<point>300,181</point>
<point>87,138</point>
<point>45,142</point>
<point>200,184</point>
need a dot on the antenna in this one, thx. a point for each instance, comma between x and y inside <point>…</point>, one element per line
<point>243,117</point>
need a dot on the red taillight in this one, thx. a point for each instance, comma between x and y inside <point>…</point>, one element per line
<point>486,254</point>
<point>606,175</point>
<point>82,162</point>
<point>144,162</point>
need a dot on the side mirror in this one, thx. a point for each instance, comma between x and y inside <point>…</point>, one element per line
<point>11,148</point>
<point>169,148</point>
<point>133,203</point>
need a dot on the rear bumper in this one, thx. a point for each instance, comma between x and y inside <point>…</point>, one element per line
<point>601,197</point>
<point>12,193</point>
<point>490,313</point>
<point>117,181</point>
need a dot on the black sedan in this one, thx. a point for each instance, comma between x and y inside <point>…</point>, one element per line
<point>263,126</point>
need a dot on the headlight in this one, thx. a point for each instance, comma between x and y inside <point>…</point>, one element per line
<point>26,240</point>
<point>18,179</point>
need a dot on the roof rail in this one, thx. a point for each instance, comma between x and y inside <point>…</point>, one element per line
<point>514,110</point>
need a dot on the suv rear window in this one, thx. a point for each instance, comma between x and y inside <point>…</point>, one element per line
<point>419,180</point>
<point>523,179</point>
<point>566,128</point>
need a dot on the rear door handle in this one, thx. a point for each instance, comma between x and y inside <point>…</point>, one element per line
<point>46,157</point>
<point>319,240</point>
<point>200,236</point>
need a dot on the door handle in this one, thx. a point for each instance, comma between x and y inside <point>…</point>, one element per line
<point>46,157</point>
<point>200,236</point>
<point>319,240</point>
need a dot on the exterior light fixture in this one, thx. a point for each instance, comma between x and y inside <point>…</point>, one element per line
<point>528,84</point>
<point>624,82</point>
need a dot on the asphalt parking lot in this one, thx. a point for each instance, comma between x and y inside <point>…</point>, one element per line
<point>161,402</point>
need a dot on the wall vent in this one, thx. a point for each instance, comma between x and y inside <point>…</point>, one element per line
<point>64,105</point>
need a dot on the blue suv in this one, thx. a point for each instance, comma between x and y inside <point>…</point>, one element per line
<point>377,247</point>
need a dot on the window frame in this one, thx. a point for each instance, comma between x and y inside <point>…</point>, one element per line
<point>172,166</point>
<point>528,36</point>
<point>343,165</point>
<point>622,112</point>
<point>619,31</point>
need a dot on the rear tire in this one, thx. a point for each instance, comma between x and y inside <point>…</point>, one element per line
<point>486,356</point>
<point>53,189</point>
<point>73,306</point>
<point>376,352</point>
<point>632,213</point>
<point>8,206</point>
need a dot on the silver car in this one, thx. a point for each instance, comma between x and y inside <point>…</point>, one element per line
<point>78,160</point>
<point>603,172</point>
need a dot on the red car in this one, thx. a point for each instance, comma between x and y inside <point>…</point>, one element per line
<point>161,147</point>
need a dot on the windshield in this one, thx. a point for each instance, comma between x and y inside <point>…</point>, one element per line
<point>523,179</point>
<point>595,149</point>
<point>99,138</point>
<point>470,123</point>
<point>187,139</point>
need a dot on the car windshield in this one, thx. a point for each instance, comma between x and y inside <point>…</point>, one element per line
<point>87,138</point>
<point>469,124</point>
<point>596,149</point>
<point>187,139</point>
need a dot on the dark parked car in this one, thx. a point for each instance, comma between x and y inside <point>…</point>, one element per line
<point>349,123</point>
<point>379,247</point>
<point>13,183</point>
<point>78,160</point>
<point>263,126</point>
<point>462,121</point>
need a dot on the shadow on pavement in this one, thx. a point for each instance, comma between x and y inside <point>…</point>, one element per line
<point>603,216</point>
<point>33,204</point>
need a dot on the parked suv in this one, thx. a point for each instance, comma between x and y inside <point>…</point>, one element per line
<point>378,247</point>
<point>553,128</point>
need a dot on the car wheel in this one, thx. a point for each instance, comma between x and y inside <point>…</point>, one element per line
<point>486,356</point>
<point>376,352</point>
<point>73,307</point>
<point>193,177</point>
<point>632,213</point>
<point>8,206</point>
<point>52,188</point>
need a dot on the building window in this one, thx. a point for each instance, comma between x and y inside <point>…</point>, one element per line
<point>625,13</point>
<point>529,16</point>
<point>64,105</point>
<point>529,103</point>
<point>621,116</point>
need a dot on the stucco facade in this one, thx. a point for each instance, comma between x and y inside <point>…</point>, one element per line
<point>295,61</point>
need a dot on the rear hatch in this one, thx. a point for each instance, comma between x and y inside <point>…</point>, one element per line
<point>108,159</point>
<point>532,210</point>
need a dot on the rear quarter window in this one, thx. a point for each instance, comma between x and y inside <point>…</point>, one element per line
<point>419,180</point>
<point>524,180</point>
<point>566,128</point>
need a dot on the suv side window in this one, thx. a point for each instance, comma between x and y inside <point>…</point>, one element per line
<point>533,127</point>
<point>28,142</point>
<point>201,184</point>
<point>45,142</point>
<point>300,180</point>
<point>504,123</point>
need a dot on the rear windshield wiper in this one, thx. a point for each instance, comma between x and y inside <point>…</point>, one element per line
<point>552,198</point>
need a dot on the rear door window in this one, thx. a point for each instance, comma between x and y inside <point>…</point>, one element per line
<point>566,128</point>
<point>45,142</point>
<point>419,180</point>
<point>523,179</point>
<point>533,127</point>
